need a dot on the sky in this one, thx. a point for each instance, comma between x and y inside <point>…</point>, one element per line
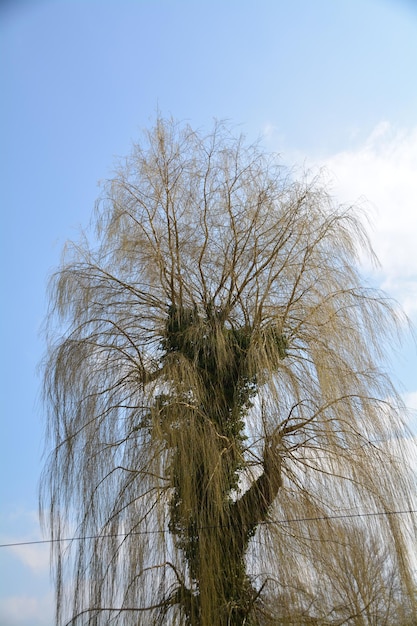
<point>326,84</point>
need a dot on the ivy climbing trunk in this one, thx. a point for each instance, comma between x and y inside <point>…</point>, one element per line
<point>211,521</point>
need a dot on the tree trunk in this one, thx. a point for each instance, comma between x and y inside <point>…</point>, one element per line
<point>215,551</point>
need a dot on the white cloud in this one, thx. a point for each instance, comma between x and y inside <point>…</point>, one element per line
<point>25,610</point>
<point>34,556</point>
<point>23,525</point>
<point>382,175</point>
<point>410,400</point>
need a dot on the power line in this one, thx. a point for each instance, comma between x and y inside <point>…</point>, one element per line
<point>154,532</point>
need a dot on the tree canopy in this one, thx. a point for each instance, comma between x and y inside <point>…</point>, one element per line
<point>226,446</point>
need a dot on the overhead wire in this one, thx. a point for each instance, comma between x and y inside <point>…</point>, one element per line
<point>162,531</point>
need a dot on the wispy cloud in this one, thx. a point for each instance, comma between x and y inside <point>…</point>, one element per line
<point>410,400</point>
<point>35,557</point>
<point>25,525</point>
<point>382,175</point>
<point>25,610</point>
<point>27,571</point>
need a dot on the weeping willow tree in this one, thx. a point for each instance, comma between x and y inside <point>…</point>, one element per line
<point>223,435</point>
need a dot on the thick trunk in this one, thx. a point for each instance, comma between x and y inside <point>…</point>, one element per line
<point>212,530</point>
<point>216,555</point>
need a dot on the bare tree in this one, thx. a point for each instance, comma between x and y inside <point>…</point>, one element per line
<point>348,576</point>
<point>214,378</point>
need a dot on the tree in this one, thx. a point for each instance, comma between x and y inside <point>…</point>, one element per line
<point>215,394</point>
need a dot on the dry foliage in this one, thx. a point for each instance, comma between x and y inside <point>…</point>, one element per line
<point>216,398</point>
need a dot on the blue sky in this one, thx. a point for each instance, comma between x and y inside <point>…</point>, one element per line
<point>324,83</point>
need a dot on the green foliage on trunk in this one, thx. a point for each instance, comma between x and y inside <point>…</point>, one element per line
<point>202,509</point>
